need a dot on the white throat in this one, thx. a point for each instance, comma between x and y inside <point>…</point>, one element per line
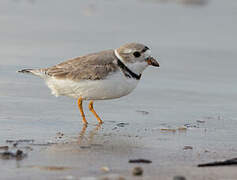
<point>137,67</point>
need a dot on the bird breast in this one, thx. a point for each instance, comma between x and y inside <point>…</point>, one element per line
<point>115,85</point>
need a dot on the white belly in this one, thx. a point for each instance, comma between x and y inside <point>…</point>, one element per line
<point>114,86</point>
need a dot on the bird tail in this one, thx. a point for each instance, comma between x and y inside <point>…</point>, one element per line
<point>36,72</point>
<point>26,71</point>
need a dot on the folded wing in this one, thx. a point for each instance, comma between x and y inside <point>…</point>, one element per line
<point>91,67</point>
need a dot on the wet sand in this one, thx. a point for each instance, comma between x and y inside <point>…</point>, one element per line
<point>179,116</point>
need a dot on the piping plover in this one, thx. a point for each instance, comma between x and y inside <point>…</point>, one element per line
<point>107,74</point>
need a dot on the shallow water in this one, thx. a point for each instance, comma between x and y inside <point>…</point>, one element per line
<point>195,86</point>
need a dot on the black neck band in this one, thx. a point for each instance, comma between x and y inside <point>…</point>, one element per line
<point>126,71</point>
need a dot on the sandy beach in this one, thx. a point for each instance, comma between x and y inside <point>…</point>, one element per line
<point>180,115</point>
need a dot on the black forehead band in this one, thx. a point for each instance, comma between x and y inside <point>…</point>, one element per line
<point>145,49</point>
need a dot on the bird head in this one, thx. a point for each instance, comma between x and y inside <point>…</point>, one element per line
<point>136,56</point>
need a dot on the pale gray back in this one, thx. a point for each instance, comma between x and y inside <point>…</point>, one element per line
<point>91,67</point>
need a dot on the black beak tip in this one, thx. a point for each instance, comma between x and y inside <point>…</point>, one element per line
<point>153,62</point>
<point>156,64</point>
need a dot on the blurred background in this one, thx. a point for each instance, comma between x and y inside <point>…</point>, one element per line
<point>195,42</point>
<point>56,30</point>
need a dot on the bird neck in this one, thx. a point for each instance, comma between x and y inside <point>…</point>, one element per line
<point>126,70</point>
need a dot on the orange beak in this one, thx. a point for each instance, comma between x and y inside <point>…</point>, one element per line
<point>151,61</point>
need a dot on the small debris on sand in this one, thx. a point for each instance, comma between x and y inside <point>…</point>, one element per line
<point>228,162</point>
<point>140,161</point>
<point>122,124</point>
<point>191,126</point>
<point>173,130</point>
<point>142,112</point>
<point>20,141</point>
<point>105,169</point>
<point>168,130</point>
<point>59,135</point>
<point>187,148</point>
<point>28,148</point>
<point>183,128</point>
<point>179,178</point>
<point>137,171</point>
<point>51,168</point>
<point>18,155</point>
<point>200,121</point>
<point>4,147</point>
<point>115,128</point>
<point>108,177</point>
<point>85,147</point>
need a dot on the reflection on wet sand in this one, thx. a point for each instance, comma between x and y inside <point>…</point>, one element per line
<point>91,135</point>
<point>77,142</point>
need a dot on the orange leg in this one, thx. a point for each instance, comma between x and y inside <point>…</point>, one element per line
<point>91,108</point>
<point>81,110</point>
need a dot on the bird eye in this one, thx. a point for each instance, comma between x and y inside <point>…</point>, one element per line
<point>137,54</point>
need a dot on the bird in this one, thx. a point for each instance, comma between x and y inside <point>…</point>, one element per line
<point>107,74</point>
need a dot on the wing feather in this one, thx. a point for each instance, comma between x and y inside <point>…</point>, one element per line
<point>92,67</point>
